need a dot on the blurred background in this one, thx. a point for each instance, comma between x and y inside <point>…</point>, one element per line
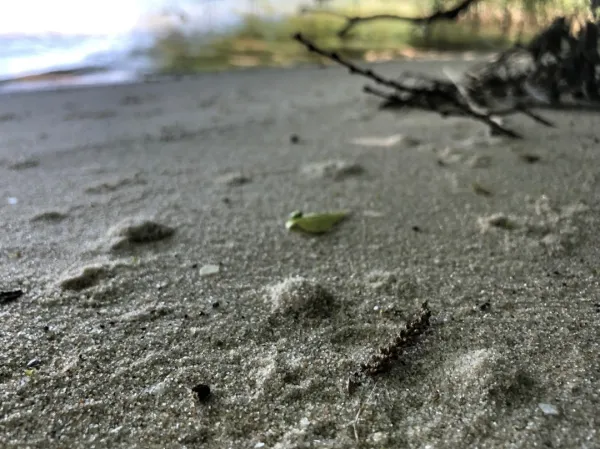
<point>44,43</point>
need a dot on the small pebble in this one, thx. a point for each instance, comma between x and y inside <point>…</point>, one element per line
<point>139,230</point>
<point>34,363</point>
<point>387,141</point>
<point>530,158</point>
<point>83,277</point>
<point>480,161</point>
<point>480,189</point>
<point>373,214</point>
<point>497,220</point>
<point>233,179</point>
<point>304,422</point>
<point>351,385</point>
<point>51,216</point>
<point>333,169</point>
<point>202,392</point>
<point>548,409</point>
<point>209,270</point>
<point>24,164</point>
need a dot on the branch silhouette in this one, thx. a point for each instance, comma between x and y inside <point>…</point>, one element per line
<point>352,21</point>
<point>426,97</point>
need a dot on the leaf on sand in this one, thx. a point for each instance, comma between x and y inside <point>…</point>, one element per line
<point>314,223</point>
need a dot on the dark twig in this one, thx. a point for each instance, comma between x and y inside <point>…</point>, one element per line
<point>536,117</point>
<point>393,101</point>
<point>352,21</point>
<point>578,106</point>
<point>382,361</point>
<point>387,355</point>
<point>437,91</point>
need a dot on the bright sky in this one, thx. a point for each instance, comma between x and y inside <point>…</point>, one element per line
<point>106,16</point>
<point>92,16</point>
<point>70,16</point>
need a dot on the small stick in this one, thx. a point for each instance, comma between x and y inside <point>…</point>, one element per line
<point>393,100</point>
<point>536,117</point>
<point>383,360</point>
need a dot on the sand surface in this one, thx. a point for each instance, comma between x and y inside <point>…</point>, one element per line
<point>145,226</point>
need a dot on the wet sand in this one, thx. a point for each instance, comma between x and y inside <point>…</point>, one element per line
<point>145,226</point>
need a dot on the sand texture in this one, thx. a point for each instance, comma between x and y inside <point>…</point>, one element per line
<point>145,226</point>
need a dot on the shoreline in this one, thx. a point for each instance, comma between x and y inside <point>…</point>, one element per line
<point>105,76</point>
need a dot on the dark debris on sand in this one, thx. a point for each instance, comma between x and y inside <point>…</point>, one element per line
<point>9,296</point>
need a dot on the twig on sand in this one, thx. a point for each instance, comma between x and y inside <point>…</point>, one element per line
<point>352,21</point>
<point>429,97</point>
<point>383,360</point>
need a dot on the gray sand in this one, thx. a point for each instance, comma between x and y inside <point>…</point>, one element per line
<point>148,237</point>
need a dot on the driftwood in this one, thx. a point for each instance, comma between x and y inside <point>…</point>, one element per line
<point>555,66</point>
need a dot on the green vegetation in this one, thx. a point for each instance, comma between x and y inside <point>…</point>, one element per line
<point>260,41</point>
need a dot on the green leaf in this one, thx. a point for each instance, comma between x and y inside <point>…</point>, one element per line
<point>314,223</point>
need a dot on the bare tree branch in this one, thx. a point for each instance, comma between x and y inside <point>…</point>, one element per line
<point>393,101</point>
<point>352,21</point>
<point>426,97</point>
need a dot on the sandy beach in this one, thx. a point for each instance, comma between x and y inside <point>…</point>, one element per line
<point>145,226</point>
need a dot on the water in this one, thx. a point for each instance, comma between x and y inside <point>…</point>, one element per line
<point>39,60</point>
<point>79,59</point>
